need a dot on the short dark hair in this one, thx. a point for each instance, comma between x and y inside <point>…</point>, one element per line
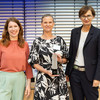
<point>46,15</point>
<point>84,10</point>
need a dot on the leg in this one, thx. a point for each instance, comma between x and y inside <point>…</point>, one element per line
<point>19,87</point>
<point>76,87</point>
<point>5,86</point>
<point>91,93</point>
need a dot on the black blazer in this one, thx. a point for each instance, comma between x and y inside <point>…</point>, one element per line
<point>91,52</point>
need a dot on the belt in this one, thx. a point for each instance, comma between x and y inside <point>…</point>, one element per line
<point>79,68</point>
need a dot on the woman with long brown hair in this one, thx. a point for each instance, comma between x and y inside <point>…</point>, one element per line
<point>14,53</point>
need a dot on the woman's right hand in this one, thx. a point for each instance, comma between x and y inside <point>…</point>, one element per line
<point>50,74</point>
<point>40,68</point>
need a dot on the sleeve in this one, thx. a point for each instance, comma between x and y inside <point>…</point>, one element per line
<point>97,74</point>
<point>34,54</point>
<point>64,49</point>
<point>70,55</point>
<point>0,55</point>
<point>28,72</point>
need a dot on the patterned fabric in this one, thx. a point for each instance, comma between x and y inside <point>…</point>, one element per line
<point>49,88</point>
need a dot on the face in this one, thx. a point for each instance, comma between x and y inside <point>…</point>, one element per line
<point>87,18</point>
<point>47,24</point>
<point>13,30</point>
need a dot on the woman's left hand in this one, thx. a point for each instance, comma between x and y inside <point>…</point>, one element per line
<point>27,91</point>
<point>59,58</point>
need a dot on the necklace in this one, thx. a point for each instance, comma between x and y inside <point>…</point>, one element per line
<point>47,37</point>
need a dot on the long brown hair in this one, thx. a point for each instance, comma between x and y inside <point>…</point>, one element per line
<point>5,34</point>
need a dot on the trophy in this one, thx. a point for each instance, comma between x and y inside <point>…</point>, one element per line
<point>54,64</point>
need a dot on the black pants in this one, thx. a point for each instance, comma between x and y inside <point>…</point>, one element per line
<point>81,87</point>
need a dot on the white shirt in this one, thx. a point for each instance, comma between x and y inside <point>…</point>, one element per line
<point>79,57</point>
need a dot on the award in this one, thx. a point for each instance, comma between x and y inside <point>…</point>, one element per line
<point>54,64</point>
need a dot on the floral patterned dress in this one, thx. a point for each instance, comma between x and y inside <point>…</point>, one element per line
<point>46,87</point>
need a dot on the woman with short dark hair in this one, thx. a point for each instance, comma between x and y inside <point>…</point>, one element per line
<point>83,69</point>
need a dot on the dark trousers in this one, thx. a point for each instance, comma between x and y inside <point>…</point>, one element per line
<point>81,87</point>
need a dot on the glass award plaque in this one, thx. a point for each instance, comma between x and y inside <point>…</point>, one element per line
<point>54,64</point>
